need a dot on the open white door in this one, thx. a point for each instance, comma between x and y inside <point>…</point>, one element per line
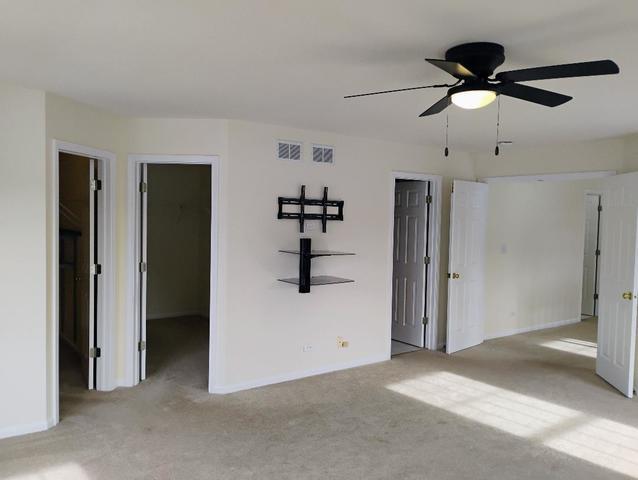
<point>618,285</point>
<point>466,297</point>
<point>408,275</point>
<point>143,265</point>
<point>95,270</point>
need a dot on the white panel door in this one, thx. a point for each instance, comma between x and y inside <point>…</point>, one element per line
<point>618,285</point>
<point>408,277</point>
<point>590,270</point>
<point>466,283</point>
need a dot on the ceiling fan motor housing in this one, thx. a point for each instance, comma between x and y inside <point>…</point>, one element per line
<point>481,58</point>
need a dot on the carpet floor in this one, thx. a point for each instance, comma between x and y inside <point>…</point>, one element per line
<point>524,407</point>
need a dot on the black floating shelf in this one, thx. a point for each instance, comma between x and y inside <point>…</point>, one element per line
<point>318,253</point>
<point>306,254</point>
<point>318,280</point>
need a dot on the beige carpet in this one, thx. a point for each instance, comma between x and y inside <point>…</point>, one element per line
<point>524,407</point>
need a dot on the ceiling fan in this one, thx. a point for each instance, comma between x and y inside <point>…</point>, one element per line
<point>473,64</point>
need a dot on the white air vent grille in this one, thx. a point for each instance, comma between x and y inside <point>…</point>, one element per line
<point>287,150</point>
<point>323,154</point>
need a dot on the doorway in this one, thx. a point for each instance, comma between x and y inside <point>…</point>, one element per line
<point>414,256</point>
<point>81,269</point>
<point>174,253</point>
<point>78,253</point>
<point>176,276</point>
<point>591,255</point>
<point>534,278</point>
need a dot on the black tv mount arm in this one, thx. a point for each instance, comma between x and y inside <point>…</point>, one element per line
<point>302,216</point>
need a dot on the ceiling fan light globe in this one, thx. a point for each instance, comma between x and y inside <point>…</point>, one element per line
<point>472,99</point>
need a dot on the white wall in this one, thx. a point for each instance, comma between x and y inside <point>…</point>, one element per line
<point>178,247</point>
<point>620,154</point>
<point>269,319</point>
<point>534,263</point>
<point>23,405</point>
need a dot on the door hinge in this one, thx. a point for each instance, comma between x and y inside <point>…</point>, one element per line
<point>425,320</point>
<point>428,199</point>
<point>143,267</point>
<point>597,252</point>
<point>143,187</point>
<point>427,260</point>
<point>595,296</point>
<point>96,269</point>
<point>96,184</point>
<point>141,345</point>
<point>600,208</point>
<point>95,352</point>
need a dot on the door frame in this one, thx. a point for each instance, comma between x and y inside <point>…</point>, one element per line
<point>132,331</point>
<point>599,193</point>
<point>105,380</point>
<point>433,240</point>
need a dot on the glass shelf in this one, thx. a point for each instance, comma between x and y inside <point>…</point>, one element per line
<point>318,253</point>
<point>318,280</point>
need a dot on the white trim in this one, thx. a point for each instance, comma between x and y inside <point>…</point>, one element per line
<point>106,324</point>
<point>286,377</point>
<point>533,328</point>
<point>551,177</point>
<point>17,430</point>
<point>131,377</point>
<point>436,183</point>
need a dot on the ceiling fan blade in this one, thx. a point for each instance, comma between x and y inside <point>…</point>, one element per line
<point>438,107</point>
<point>532,94</point>
<point>397,90</point>
<point>583,69</point>
<point>453,68</point>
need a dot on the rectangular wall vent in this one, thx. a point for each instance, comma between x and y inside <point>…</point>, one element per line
<point>323,154</point>
<point>287,150</point>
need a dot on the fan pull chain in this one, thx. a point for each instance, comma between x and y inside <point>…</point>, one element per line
<point>498,125</point>
<point>447,126</point>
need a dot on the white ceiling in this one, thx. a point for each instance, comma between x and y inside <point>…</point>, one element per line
<point>290,62</point>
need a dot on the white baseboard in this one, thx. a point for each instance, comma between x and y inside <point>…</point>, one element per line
<point>286,377</point>
<point>15,430</point>
<point>188,313</point>
<point>533,328</point>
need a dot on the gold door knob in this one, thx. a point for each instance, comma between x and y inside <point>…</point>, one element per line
<point>456,275</point>
<point>628,295</point>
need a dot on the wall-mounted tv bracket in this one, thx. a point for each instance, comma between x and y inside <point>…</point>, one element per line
<point>302,216</point>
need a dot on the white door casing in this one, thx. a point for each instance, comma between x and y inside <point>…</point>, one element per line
<point>466,282</point>
<point>408,278</point>
<point>143,266</point>
<point>590,270</point>
<point>618,282</point>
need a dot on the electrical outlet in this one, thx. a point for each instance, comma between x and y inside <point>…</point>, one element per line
<point>307,348</point>
<point>342,343</point>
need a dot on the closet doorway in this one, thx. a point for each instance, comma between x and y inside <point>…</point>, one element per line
<point>416,210</point>
<point>174,250</point>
